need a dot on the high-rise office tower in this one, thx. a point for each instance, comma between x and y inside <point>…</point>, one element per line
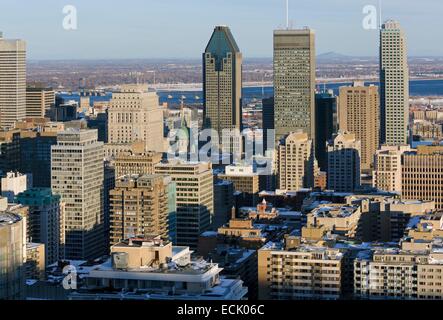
<point>222,86</point>
<point>295,162</point>
<point>13,253</point>
<point>223,202</point>
<point>394,85</point>
<point>108,185</point>
<point>140,208</point>
<point>9,151</point>
<point>77,176</point>
<point>325,125</point>
<point>422,175</point>
<point>195,198</point>
<point>44,221</point>
<point>39,101</point>
<point>359,114</point>
<point>344,162</point>
<point>35,155</point>
<point>99,122</point>
<point>268,124</point>
<point>135,115</point>
<point>294,82</point>
<point>12,81</point>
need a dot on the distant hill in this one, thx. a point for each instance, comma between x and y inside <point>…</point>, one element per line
<point>338,57</point>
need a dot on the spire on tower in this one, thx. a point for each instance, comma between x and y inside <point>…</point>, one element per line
<point>287,14</point>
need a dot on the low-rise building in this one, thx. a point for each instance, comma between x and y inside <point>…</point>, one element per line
<point>300,272</point>
<point>246,183</point>
<point>152,269</point>
<point>398,274</point>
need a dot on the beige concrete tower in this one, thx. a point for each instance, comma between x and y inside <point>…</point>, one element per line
<point>394,85</point>
<point>222,85</point>
<point>135,115</point>
<point>295,162</point>
<point>12,81</point>
<point>294,82</point>
<point>359,114</point>
<point>77,173</point>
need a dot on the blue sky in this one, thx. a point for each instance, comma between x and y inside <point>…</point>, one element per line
<point>110,29</point>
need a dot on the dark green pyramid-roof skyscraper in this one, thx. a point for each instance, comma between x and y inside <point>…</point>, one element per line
<point>222,85</point>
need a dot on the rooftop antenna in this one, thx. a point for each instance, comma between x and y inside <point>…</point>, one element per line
<point>380,13</point>
<point>287,14</point>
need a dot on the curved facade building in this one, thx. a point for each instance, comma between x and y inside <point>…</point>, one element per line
<point>12,241</point>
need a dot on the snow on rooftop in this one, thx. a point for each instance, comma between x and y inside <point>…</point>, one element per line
<point>209,234</point>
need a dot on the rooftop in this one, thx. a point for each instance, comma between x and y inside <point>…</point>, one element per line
<point>334,211</point>
<point>7,218</point>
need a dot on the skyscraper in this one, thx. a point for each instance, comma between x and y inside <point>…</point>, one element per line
<point>344,171</point>
<point>325,125</point>
<point>359,114</point>
<point>294,82</point>
<point>12,81</point>
<point>222,84</point>
<point>394,85</point>
<point>35,155</point>
<point>135,115</point>
<point>77,176</point>
<point>39,101</point>
<point>268,123</point>
<point>295,162</point>
<point>195,198</point>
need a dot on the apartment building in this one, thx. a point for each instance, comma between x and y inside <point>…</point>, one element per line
<point>300,272</point>
<point>142,206</point>
<point>296,162</point>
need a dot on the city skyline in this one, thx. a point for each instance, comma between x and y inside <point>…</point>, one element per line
<point>103,35</point>
<point>302,179</point>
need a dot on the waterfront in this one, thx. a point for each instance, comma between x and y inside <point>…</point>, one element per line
<point>418,88</point>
